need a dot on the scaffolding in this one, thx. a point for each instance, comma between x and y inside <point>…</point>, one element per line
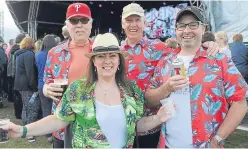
<point>32,21</point>
<point>1,22</point>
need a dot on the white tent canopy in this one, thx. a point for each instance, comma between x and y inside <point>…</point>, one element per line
<point>229,16</point>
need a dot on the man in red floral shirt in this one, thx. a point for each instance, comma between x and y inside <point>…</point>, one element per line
<point>210,102</point>
<point>144,55</point>
<point>68,61</point>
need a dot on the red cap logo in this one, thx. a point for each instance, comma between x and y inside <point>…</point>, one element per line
<point>78,9</point>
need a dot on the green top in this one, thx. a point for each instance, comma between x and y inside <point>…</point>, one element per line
<point>78,105</point>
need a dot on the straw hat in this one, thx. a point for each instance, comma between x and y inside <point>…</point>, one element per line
<point>105,43</point>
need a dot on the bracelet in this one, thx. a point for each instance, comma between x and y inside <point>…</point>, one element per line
<point>24,133</point>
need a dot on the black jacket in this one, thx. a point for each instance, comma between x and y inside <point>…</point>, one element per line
<point>11,68</point>
<point>26,72</point>
<point>3,60</point>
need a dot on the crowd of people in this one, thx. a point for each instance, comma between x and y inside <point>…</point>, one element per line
<point>115,92</point>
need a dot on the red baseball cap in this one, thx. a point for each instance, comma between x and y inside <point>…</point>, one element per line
<point>78,9</point>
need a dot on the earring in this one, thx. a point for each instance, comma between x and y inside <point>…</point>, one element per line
<point>95,69</point>
<point>118,68</point>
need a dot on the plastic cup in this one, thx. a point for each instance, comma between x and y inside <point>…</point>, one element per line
<point>4,137</point>
<point>169,104</point>
<point>63,83</point>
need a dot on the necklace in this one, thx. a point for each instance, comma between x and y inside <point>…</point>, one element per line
<point>105,91</point>
<point>105,94</point>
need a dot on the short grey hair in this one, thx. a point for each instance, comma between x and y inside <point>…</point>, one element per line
<point>65,31</point>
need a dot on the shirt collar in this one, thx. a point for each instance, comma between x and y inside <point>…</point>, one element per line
<point>201,52</point>
<point>141,42</point>
<point>65,46</point>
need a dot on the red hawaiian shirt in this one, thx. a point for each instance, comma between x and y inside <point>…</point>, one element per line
<point>57,67</point>
<point>215,82</point>
<point>141,62</point>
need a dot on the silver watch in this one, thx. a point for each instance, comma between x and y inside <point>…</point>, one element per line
<point>220,140</point>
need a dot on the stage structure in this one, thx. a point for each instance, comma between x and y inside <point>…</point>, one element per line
<point>38,18</point>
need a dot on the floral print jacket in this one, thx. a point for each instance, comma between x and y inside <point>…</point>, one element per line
<point>78,105</point>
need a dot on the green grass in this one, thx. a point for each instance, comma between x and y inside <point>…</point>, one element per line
<point>238,139</point>
<point>8,112</point>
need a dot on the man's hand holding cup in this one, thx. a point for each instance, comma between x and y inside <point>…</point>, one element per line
<point>56,89</point>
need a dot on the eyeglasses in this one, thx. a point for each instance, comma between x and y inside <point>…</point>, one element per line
<point>105,49</point>
<point>75,21</point>
<point>191,25</point>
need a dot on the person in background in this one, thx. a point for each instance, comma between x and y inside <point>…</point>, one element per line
<point>65,33</point>
<point>222,40</point>
<point>38,45</point>
<point>208,36</point>
<point>3,77</point>
<point>11,44</point>
<point>26,81</point>
<point>57,39</point>
<point>240,55</point>
<point>210,98</point>
<point>171,42</point>
<point>4,46</point>
<point>14,95</point>
<point>40,60</point>
<point>105,107</point>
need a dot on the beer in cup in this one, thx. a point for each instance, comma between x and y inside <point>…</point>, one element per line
<point>63,83</point>
<point>4,133</point>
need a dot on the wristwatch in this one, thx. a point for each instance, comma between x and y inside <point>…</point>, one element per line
<point>220,140</point>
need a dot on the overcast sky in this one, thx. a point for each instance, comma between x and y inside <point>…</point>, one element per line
<point>10,29</point>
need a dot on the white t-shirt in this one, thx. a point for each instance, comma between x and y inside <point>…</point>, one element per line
<point>179,128</point>
<point>226,51</point>
<point>112,122</point>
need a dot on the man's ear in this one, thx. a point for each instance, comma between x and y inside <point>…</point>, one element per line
<point>204,26</point>
<point>146,23</point>
<point>122,24</point>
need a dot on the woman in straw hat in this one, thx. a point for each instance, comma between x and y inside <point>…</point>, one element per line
<point>104,107</point>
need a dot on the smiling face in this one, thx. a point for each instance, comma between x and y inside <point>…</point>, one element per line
<point>189,38</point>
<point>106,64</point>
<point>79,31</point>
<point>133,27</point>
